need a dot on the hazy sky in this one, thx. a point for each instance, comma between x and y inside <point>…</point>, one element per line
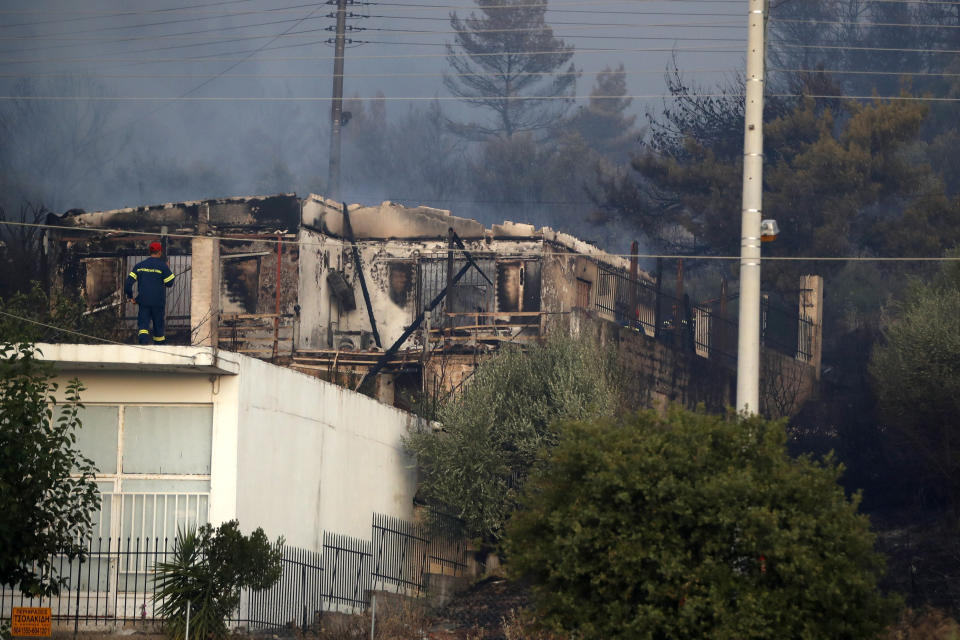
<point>219,57</point>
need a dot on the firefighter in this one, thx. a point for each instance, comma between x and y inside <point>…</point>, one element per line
<point>151,276</point>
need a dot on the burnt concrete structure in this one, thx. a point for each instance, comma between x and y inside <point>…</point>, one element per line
<point>415,295</point>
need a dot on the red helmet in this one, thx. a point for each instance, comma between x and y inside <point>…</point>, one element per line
<point>156,247</point>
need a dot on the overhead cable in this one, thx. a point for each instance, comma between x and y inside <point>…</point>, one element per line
<point>848,47</point>
<point>478,74</point>
<point>185,98</point>
<point>202,32</point>
<point>90,337</point>
<point>596,254</point>
<point>648,96</point>
<point>233,58</point>
<point>854,23</point>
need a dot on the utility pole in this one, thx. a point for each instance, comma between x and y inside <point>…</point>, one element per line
<point>336,105</point>
<point>748,348</point>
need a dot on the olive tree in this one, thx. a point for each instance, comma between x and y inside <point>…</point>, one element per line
<point>492,430</point>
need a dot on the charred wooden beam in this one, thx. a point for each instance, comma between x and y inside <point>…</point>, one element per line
<point>467,256</point>
<point>348,230</point>
<point>389,353</point>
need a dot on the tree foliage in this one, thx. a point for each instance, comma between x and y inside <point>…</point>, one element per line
<point>493,429</point>
<point>20,261</point>
<point>694,526</point>
<point>916,374</point>
<point>47,492</point>
<point>208,569</point>
<point>839,179</point>
<point>31,316</point>
<point>506,60</point>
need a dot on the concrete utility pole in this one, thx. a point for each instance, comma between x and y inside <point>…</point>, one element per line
<point>748,349</point>
<point>336,105</point>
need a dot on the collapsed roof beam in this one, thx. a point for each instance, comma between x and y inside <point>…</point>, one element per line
<point>389,353</point>
<point>348,231</point>
<point>466,254</point>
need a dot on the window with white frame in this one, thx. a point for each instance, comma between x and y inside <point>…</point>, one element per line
<point>153,464</point>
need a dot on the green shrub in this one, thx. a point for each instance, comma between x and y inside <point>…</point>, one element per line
<point>47,490</point>
<point>694,526</point>
<point>208,569</point>
<point>493,429</point>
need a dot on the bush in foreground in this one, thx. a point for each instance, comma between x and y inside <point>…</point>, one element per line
<point>207,569</point>
<point>694,526</point>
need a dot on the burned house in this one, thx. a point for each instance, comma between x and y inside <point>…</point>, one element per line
<point>411,298</point>
<point>235,260</point>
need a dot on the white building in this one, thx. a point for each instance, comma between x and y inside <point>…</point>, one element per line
<point>187,435</point>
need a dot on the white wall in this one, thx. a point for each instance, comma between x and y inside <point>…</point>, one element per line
<point>313,456</point>
<point>288,452</point>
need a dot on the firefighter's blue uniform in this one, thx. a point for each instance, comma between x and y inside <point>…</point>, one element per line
<point>152,276</point>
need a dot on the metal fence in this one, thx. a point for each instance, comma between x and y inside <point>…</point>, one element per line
<point>295,600</point>
<point>115,583</point>
<point>705,329</point>
<point>347,580</point>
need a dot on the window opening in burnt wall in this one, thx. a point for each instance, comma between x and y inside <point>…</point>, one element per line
<point>470,295</point>
<point>518,289</point>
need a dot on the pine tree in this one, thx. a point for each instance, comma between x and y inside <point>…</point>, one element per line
<point>604,121</point>
<point>507,61</point>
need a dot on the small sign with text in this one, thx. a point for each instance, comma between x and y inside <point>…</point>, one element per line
<point>30,622</point>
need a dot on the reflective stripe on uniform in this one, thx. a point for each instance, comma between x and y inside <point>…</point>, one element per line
<point>168,278</point>
<point>159,338</point>
<point>133,275</point>
<point>143,331</point>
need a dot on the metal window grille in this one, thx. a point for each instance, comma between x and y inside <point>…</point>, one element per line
<point>178,296</point>
<point>471,293</point>
<point>149,515</point>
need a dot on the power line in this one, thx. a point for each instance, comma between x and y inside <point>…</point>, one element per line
<point>632,38</point>
<point>193,34</point>
<point>560,22</point>
<point>166,22</point>
<point>184,98</point>
<point>188,35</point>
<point>478,74</point>
<point>933,74</point>
<point>846,47</point>
<point>108,14</point>
<point>200,7</point>
<point>345,244</point>
<point>229,58</point>
<point>845,23</point>
<point>301,6</point>
<point>583,37</point>
<point>187,95</point>
<point>90,337</point>
<point>649,96</point>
